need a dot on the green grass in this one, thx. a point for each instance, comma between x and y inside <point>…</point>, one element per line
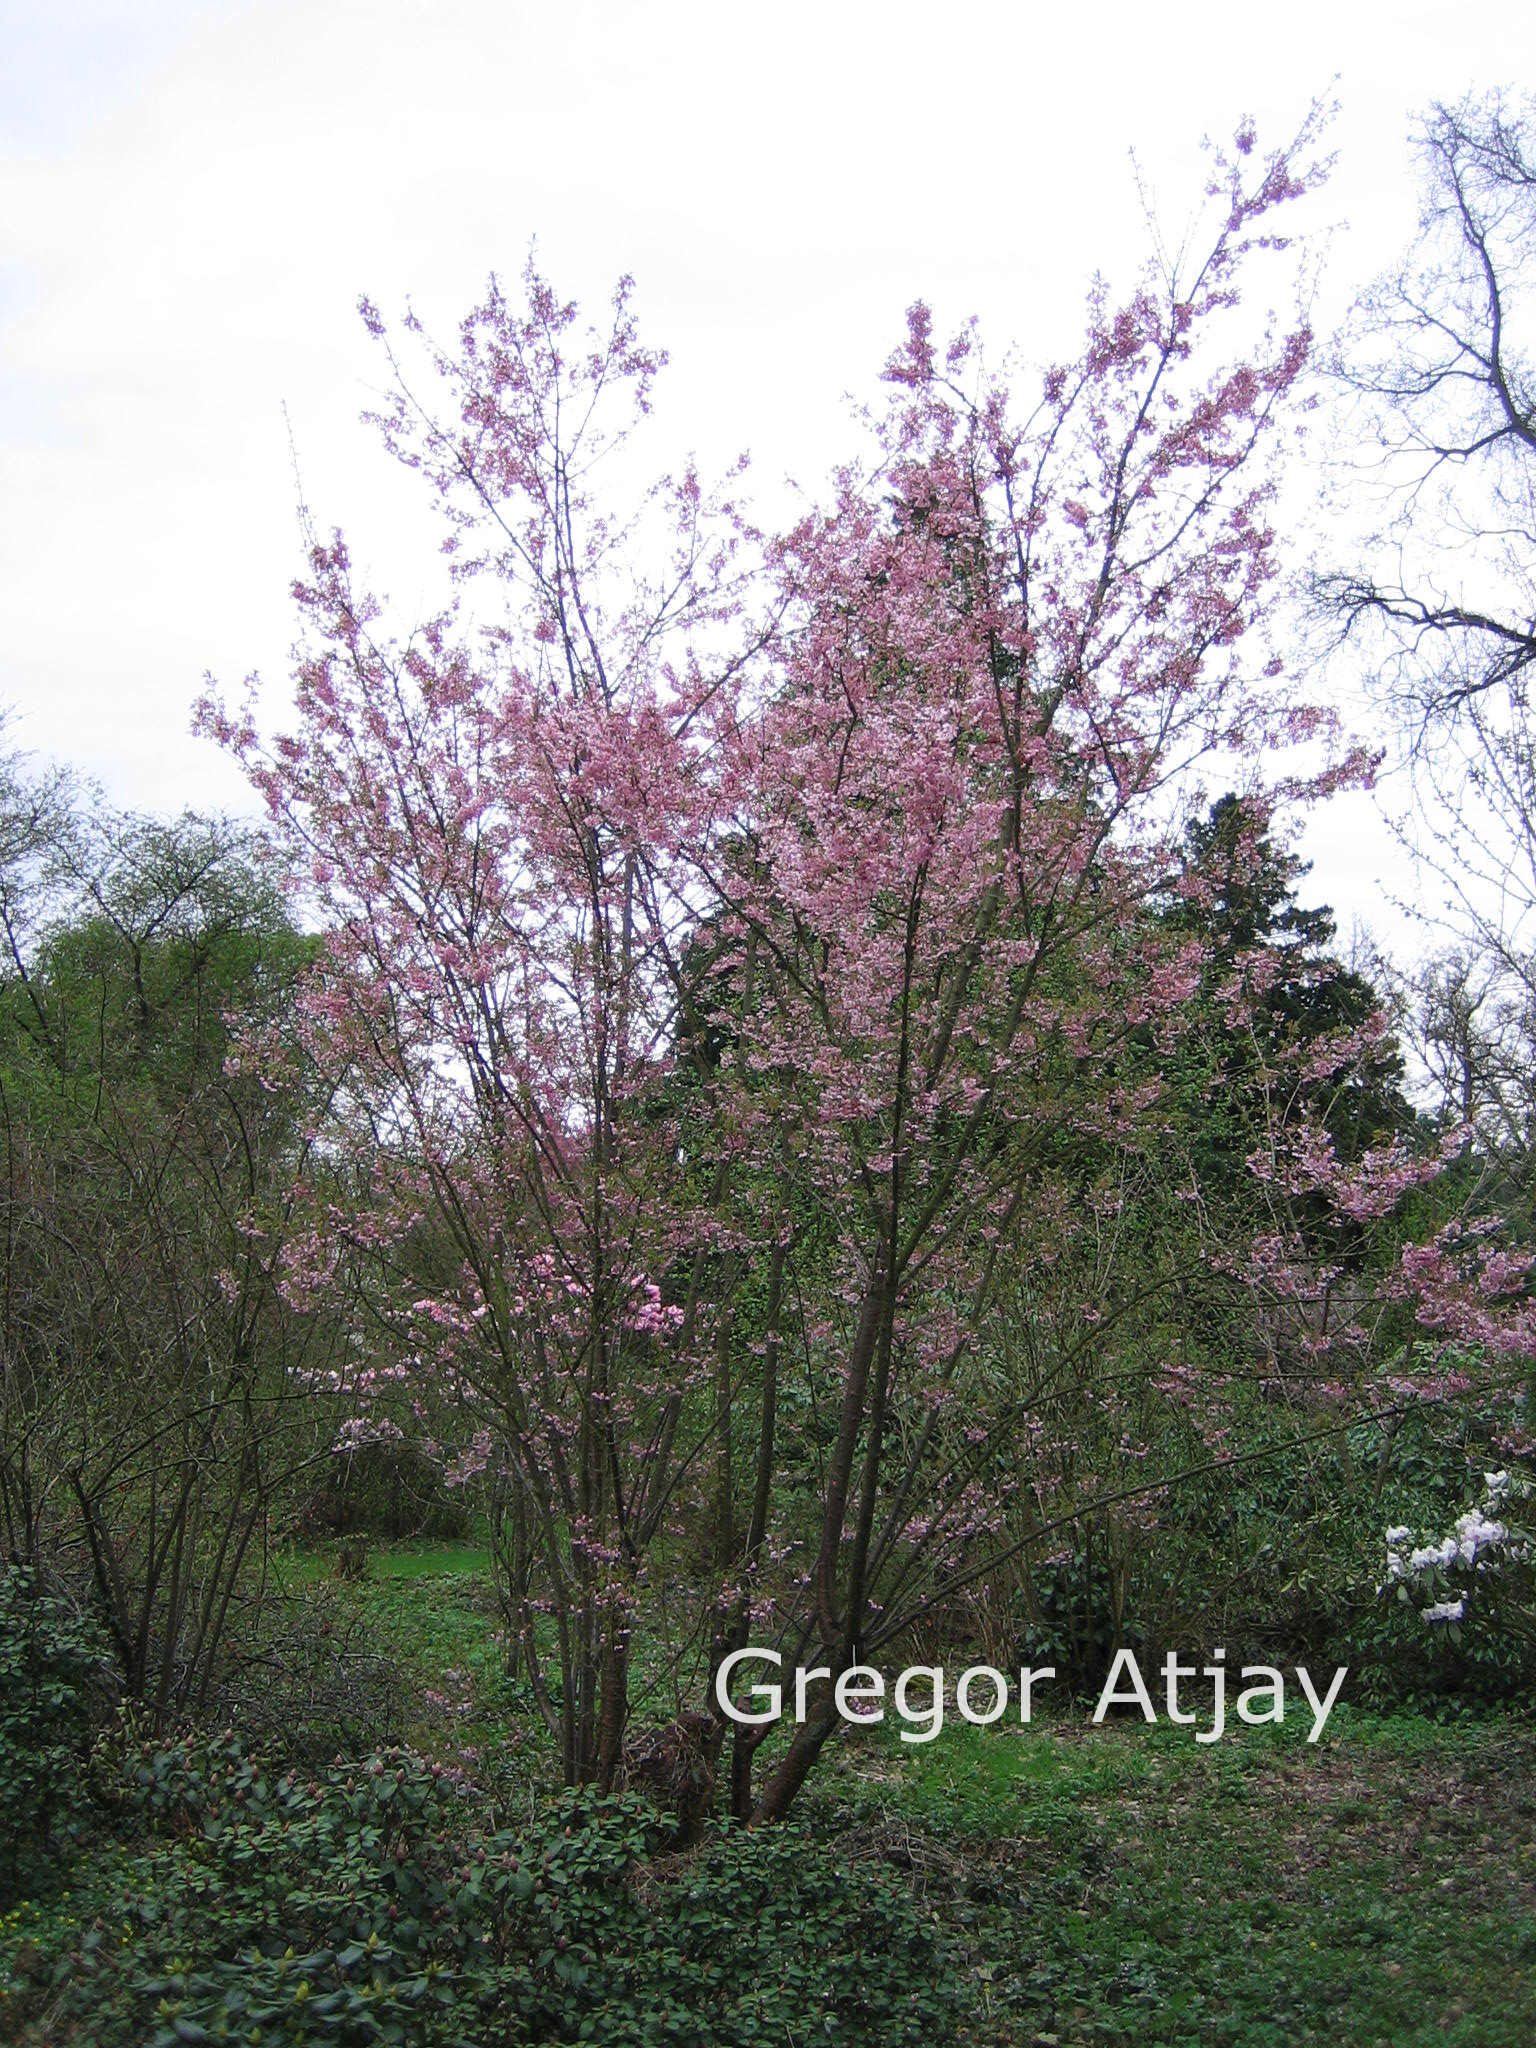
<point>1120,1885</point>
<point>430,1608</point>
<point>1124,1885</point>
<point>396,1561</point>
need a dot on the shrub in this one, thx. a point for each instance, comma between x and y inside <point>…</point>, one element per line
<point>1075,1629</point>
<point>315,1680</point>
<point>386,1488</point>
<point>372,1904</point>
<point>55,1674</point>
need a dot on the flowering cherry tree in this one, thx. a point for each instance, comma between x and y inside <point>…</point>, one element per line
<point>1010,644</point>
<point>730,943</point>
<point>494,827</point>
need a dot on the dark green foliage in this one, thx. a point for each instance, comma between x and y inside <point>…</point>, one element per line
<point>1279,1558</point>
<point>375,1904</point>
<point>1246,912</point>
<point>53,1677</point>
<point>1074,1628</point>
<point>1431,1467</point>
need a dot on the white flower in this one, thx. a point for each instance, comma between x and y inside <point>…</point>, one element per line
<point>1396,1536</point>
<point>1475,1532</point>
<point>1497,1484</point>
<point>1447,1610</point>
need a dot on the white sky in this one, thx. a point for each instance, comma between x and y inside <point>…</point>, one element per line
<point>194,192</point>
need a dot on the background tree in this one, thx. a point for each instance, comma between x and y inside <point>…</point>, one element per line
<point>1289,1037</point>
<point>1443,602</point>
<point>149,1418</point>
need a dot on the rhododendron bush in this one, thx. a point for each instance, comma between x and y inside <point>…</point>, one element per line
<point>751,960</point>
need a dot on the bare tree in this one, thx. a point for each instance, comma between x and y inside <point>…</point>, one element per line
<point>152,1398</point>
<point>1442,600</point>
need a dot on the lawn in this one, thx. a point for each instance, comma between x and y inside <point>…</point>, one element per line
<point>1118,1884</point>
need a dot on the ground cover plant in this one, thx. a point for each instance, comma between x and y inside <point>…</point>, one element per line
<point>1113,1885</point>
<point>372,1903</point>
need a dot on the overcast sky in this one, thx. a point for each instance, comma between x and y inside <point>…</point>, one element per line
<point>194,192</point>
